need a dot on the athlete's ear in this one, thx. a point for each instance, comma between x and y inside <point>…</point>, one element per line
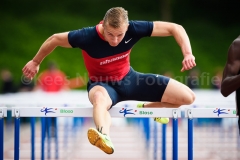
<point>127,26</point>
<point>103,24</point>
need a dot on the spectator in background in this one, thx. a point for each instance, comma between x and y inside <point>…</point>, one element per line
<point>52,79</point>
<point>7,86</point>
<point>26,85</point>
<point>7,82</point>
<point>193,79</point>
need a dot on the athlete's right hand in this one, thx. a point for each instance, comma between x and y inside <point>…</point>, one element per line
<point>30,69</point>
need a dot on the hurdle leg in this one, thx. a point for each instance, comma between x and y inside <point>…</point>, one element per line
<point>65,134</point>
<point>56,138</point>
<point>43,137</point>
<point>155,134</point>
<point>1,137</point>
<point>146,130</point>
<point>190,139</point>
<point>17,138</point>
<point>9,121</point>
<point>75,123</point>
<point>49,134</point>
<point>17,134</point>
<point>175,139</point>
<point>164,131</point>
<point>32,138</point>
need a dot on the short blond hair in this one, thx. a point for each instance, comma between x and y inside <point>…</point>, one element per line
<point>115,17</point>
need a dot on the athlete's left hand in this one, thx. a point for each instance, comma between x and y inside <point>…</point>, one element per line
<point>188,62</point>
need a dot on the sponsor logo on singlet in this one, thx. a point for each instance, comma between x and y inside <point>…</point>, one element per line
<point>113,59</point>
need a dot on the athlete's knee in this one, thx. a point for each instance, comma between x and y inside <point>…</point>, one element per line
<point>98,96</point>
<point>190,98</point>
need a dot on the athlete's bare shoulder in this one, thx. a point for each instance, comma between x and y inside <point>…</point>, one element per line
<point>238,37</point>
<point>236,42</point>
<point>234,49</point>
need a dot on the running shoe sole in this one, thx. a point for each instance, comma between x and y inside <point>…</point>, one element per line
<point>97,140</point>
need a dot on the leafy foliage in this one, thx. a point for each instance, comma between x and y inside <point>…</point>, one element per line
<point>25,28</point>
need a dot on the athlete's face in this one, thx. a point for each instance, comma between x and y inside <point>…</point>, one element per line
<point>114,35</point>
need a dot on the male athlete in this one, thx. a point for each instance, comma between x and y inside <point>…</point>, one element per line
<point>231,74</point>
<point>106,51</point>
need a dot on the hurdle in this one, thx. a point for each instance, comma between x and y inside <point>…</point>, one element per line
<point>129,112</point>
<point>3,113</point>
<point>192,113</point>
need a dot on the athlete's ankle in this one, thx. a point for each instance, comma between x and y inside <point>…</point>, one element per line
<point>143,105</point>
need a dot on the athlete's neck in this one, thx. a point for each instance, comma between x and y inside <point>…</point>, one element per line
<point>100,29</point>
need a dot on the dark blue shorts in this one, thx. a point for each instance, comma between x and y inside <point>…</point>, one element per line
<point>134,86</point>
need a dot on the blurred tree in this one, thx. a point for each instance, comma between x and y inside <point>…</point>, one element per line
<point>206,23</point>
<point>166,10</point>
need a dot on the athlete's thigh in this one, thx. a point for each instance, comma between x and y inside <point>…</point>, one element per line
<point>178,93</point>
<point>147,87</point>
<point>108,92</point>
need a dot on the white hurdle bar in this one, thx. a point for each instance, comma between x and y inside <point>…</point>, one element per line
<point>191,113</point>
<point>121,112</point>
<point>3,113</point>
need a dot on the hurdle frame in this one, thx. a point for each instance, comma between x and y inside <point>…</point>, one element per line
<point>129,112</point>
<point>3,113</point>
<point>192,113</point>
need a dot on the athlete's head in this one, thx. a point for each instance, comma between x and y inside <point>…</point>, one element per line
<point>115,25</point>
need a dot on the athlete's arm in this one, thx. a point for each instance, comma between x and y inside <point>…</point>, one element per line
<point>60,39</point>
<point>231,79</point>
<point>32,67</point>
<point>178,32</point>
